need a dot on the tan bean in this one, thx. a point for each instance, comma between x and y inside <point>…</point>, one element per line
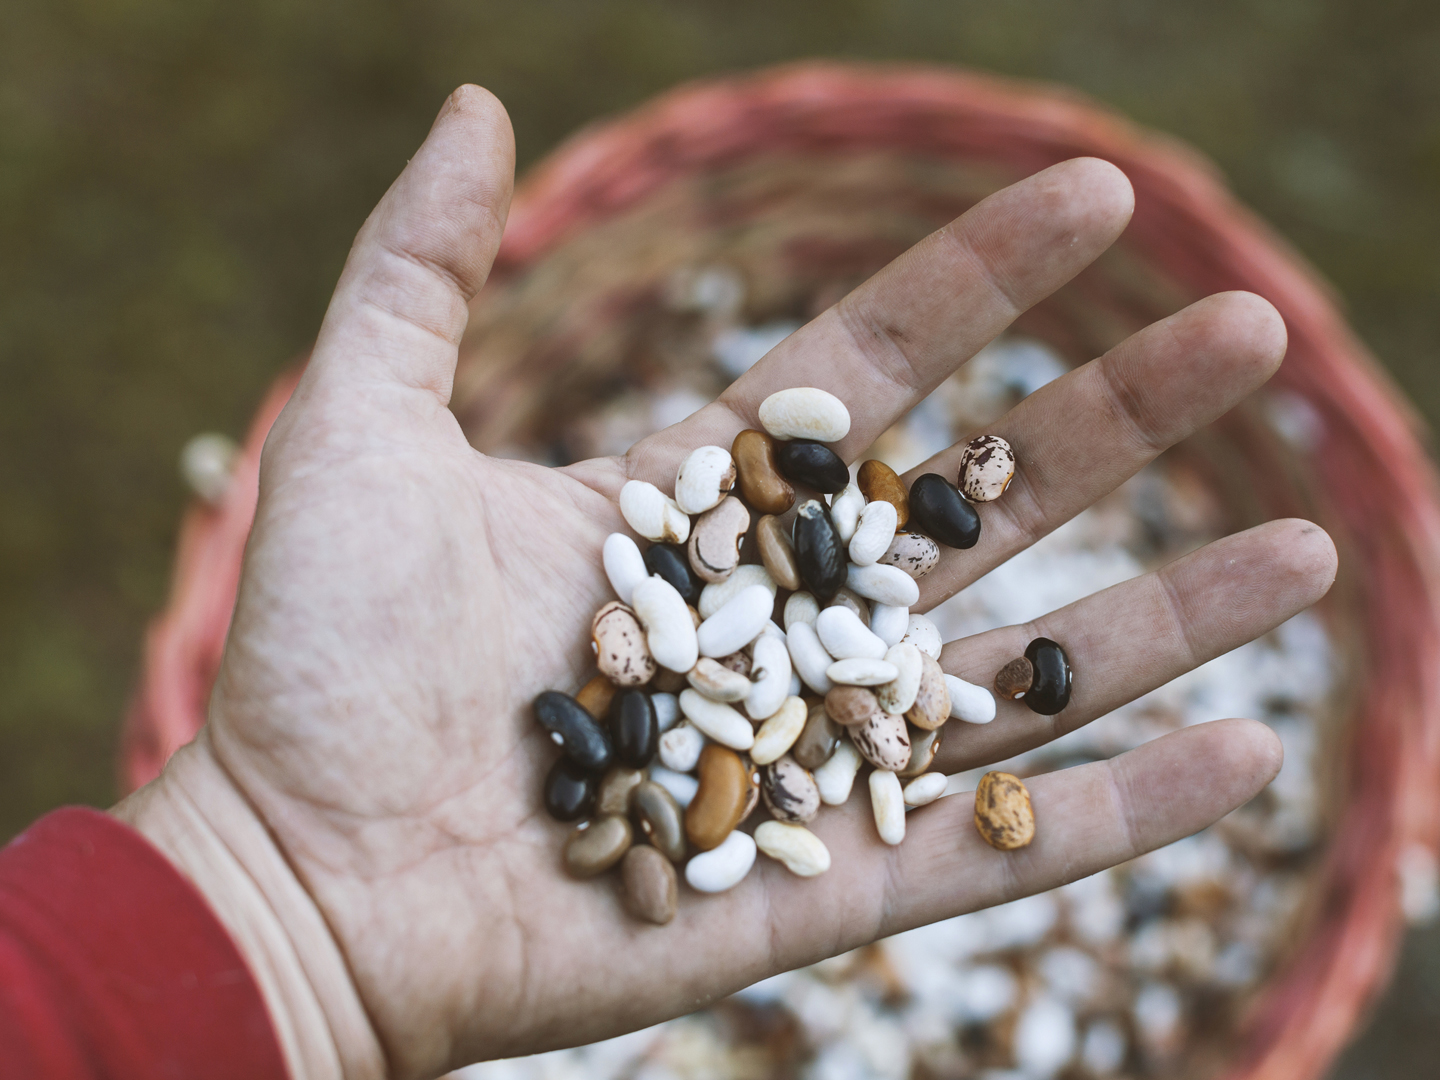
<point>1003,812</point>
<point>621,652</point>
<point>719,803</point>
<point>594,697</point>
<point>597,845</point>
<point>652,887</point>
<point>932,701</point>
<point>759,479</point>
<point>659,818</point>
<point>776,553</point>
<point>613,796</point>
<point>714,548</point>
<point>878,481</point>
<point>851,706</point>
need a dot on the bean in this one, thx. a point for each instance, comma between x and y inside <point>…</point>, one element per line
<point>716,596</point>
<point>705,477</point>
<point>845,637</point>
<point>874,533</point>
<point>809,657</point>
<point>667,710</point>
<point>1004,815</point>
<point>569,791</point>
<point>887,803</point>
<point>835,778</point>
<point>594,697</point>
<point>818,739</point>
<point>800,607</point>
<point>932,699</point>
<point>652,513</point>
<point>772,673</point>
<point>759,478</point>
<point>717,682</point>
<point>851,706</point>
<point>845,510</point>
<point>667,681</point>
<point>724,867</point>
<point>789,790</point>
<point>924,745</point>
<point>968,702</point>
<point>986,468</point>
<point>848,598</point>
<point>779,733</point>
<point>925,789</point>
<point>721,799</point>
<point>776,552</point>
<point>672,564</point>
<point>680,747</point>
<point>1050,688</point>
<point>738,662</point>
<point>736,624</point>
<point>597,845</point>
<point>576,731</point>
<point>913,552</point>
<point>660,819</point>
<point>621,651</point>
<point>861,672</point>
<point>883,740</point>
<point>1012,682</point>
<point>624,565</point>
<point>681,785</point>
<point>805,412</point>
<point>651,885</point>
<point>938,510</point>
<point>889,622</point>
<point>898,695</point>
<point>802,852</point>
<point>924,635</point>
<point>633,730</point>
<point>720,722</point>
<point>819,552</point>
<point>613,794</point>
<point>813,465</point>
<point>878,482</point>
<point>883,584</point>
<point>715,541</point>
<point>669,630</point>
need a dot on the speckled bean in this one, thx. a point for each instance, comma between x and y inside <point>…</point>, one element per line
<point>932,701</point>
<point>851,706</point>
<point>789,791</point>
<point>887,803</point>
<point>986,468</point>
<point>718,721</point>
<point>622,652</point>
<point>915,553</point>
<point>1004,815</point>
<point>705,477</point>
<point>873,534</point>
<point>669,631</point>
<point>802,852</point>
<point>652,513</point>
<point>724,867</point>
<point>884,741</point>
<point>714,548</point>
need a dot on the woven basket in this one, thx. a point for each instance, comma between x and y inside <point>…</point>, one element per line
<point>807,179</point>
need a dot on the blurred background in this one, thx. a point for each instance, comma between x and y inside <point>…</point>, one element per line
<point>179,184</point>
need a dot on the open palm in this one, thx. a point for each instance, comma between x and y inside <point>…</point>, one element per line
<point>405,598</point>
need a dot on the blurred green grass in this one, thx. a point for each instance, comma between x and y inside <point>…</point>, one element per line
<point>179,183</point>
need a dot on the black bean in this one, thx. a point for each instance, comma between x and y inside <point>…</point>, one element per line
<point>583,740</point>
<point>1049,691</point>
<point>812,464</point>
<point>939,511</point>
<point>634,730</point>
<point>672,564</point>
<point>820,554</point>
<point>569,791</point>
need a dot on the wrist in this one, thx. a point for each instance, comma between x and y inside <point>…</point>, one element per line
<point>196,816</point>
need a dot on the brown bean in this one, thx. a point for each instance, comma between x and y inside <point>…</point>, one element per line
<point>714,547</point>
<point>719,802</point>
<point>790,791</point>
<point>818,739</point>
<point>924,745</point>
<point>597,845</point>
<point>621,652</point>
<point>613,796</point>
<point>760,482</point>
<point>932,702</point>
<point>752,793</point>
<point>652,888</point>
<point>878,481</point>
<point>668,682</point>
<point>737,661</point>
<point>851,706</point>
<point>1003,813</point>
<point>884,741</point>
<point>1014,679</point>
<point>594,697</point>
<point>659,818</point>
<point>776,553</point>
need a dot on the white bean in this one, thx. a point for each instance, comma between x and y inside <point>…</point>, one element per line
<point>667,710</point>
<point>714,597</point>
<point>889,623</point>
<point>809,657</point>
<point>737,623</point>
<point>837,775</point>
<point>779,733</point>
<point>716,681</point>
<point>887,802</point>
<point>680,747</point>
<point>970,703</point>
<point>624,565</point>
<point>652,513</point>
<point>925,789</point>
<point>861,672</point>
<point>898,695</point>
<point>770,668</point>
<point>679,784</point>
<point>705,477</point>
<point>845,637</point>
<point>800,607</point>
<point>883,584</point>
<point>874,534</point>
<point>924,635</point>
<point>717,720</point>
<point>805,412</point>
<point>723,867</point>
<point>845,511</point>
<point>669,630</point>
<point>803,853</point>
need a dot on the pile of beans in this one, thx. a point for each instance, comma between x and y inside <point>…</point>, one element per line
<point>703,706</point>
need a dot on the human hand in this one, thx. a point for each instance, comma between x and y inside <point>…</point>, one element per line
<point>363,807</point>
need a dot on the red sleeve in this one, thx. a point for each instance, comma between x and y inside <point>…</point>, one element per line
<point>112,966</point>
